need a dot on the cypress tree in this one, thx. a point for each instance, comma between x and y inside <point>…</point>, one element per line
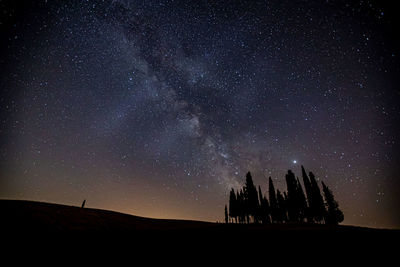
<point>302,202</point>
<point>307,185</point>
<point>251,197</point>
<point>226,214</point>
<point>233,205</point>
<point>273,204</point>
<point>281,207</point>
<point>292,197</point>
<point>241,204</point>
<point>333,214</point>
<point>238,206</point>
<point>259,210</point>
<point>266,211</point>
<point>318,202</point>
<point>264,208</point>
<point>260,196</point>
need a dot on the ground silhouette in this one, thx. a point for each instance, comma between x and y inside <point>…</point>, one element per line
<point>31,216</point>
<point>52,229</point>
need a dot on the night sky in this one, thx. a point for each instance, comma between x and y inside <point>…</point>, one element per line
<point>158,108</point>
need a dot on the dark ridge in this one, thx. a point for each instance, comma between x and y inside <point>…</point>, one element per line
<point>37,227</point>
<point>32,216</point>
<point>22,215</point>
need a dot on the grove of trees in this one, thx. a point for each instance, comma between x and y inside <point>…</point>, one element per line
<point>249,205</point>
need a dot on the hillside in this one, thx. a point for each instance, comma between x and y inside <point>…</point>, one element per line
<point>20,215</point>
<point>53,231</point>
<point>34,217</point>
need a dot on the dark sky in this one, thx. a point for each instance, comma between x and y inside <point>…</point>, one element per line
<point>158,108</point>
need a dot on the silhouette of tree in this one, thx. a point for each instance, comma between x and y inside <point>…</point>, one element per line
<point>318,209</point>
<point>249,205</point>
<point>292,197</point>
<point>241,206</point>
<point>273,204</point>
<point>309,212</point>
<point>244,207</point>
<point>259,211</point>
<point>233,205</point>
<point>83,203</point>
<point>264,208</point>
<point>226,214</point>
<point>260,195</point>
<point>251,196</point>
<point>281,207</point>
<point>302,201</point>
<point>295,201</point>
<point>333,214</point>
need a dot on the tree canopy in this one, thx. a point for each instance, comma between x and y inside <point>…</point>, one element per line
<point>249,205</point>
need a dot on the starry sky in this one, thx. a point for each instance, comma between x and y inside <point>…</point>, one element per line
<point>158,108</point>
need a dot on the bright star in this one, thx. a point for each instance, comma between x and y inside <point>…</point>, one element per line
<point>294,161</point>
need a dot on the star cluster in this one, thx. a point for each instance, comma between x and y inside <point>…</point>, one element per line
<point>158,108</point>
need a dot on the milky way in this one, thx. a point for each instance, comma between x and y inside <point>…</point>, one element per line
<point>158,108</point>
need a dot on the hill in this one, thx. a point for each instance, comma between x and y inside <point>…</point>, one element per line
<point>40,226</point>
<point>21,215</point>
<point>31,216</point>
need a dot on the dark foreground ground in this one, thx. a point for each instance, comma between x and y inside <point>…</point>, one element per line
<point>82,229</point>
<point>39,217</point>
